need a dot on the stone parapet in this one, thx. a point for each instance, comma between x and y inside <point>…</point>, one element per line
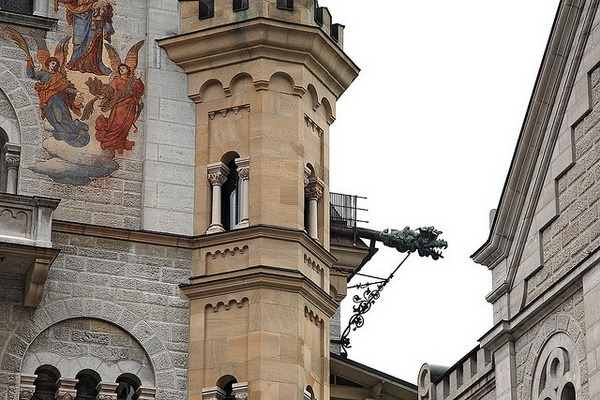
<point>471,377</point>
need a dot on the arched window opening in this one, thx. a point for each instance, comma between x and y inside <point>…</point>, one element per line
<point>207,9</point>
<point>225,383</point>
<point>285,4</point>
<point>128,387</point>
<point>568,392</point>
<point>239,5</point>
<point>88,381</point>
<point>309,393</point>
<point>230,206</point>
<point>46,383</point>
<point>3,169</point>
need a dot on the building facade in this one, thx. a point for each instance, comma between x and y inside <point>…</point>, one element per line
<point>543,247</point>
<point>164,205</point>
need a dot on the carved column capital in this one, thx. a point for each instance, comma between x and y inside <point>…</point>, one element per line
<point>66,389</point>
<point>213,393</point>
<point>217,173</point>
<point>12,161</point>
<point>243,167</point>
<point>240,390</point>
<point>314,189</point>
<point>107,391</point>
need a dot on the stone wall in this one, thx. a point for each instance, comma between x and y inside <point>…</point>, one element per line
<point>149,186</point>
<point>123,292</point>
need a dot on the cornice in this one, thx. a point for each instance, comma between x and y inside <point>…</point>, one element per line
<point>259,277</point>
<point>197,242</point>
<point>510,225</point>
<point>263,38</point>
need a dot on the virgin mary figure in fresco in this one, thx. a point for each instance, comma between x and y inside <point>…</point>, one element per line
<point>91,21</point>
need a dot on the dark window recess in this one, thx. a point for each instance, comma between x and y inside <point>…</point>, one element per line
<point>239,5</point>
<point>18,6</point>
<point>207,9</point>
<point>285,4</point>
<point>318,14</point>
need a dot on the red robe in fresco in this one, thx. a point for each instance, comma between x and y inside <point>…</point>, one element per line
<point>125,108</point>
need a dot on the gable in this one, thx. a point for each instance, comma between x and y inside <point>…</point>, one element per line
<point>546,220</point>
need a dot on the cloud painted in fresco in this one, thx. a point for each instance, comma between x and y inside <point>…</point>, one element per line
<point>73,166</point>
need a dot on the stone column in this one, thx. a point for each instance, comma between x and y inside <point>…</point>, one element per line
<point>240,390</point>
<point>40,8</point>
<point>217,175</point>
<point>213,393</point>
<point>107,391</point>
<point>66,389</point>
<point>12,158</point>
<point>26,386</point>
<point>243,169</point>
<point>313,191</point>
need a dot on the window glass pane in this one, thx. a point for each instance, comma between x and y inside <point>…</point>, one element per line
<point>285,4</point>
<point>19,6</point>
<point>240,5</point>
<point>207,9</point>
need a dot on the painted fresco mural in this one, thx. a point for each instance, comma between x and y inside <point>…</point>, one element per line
<point>90,109</point>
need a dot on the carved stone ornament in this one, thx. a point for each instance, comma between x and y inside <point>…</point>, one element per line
<point>314,189</point>
<point>26,393</point>
<point>12,161</point>
<point>244,172</point>
<point>217,178</point>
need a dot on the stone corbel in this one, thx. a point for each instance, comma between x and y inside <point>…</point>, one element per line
<point>35,281</point>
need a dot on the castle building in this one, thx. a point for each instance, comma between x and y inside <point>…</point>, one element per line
<point>543,248</point>
<point>164,202</point>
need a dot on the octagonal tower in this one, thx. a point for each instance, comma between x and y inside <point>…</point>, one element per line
<point>265,76</point>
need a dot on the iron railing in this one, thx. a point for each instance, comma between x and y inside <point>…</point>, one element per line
<point>344,209</point>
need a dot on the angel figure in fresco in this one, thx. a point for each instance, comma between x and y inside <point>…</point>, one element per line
<point>91,21</point>
<point>122,97</point>
<point>58,96</point>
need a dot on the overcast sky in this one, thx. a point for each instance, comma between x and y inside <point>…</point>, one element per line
<point>427,133</point>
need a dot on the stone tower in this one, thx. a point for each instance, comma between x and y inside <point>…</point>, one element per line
<point>265,76</point>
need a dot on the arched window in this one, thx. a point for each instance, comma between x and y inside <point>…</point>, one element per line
<point>128,387</point>
<point>88,381</point>
<point>309,393</point>
<point>239,5</point>
<point>285,4</point>
<point>225,383</point>
<point>46,383</point>
<point>207,9</point>
<point>230,206</point>
<point>3,169</point>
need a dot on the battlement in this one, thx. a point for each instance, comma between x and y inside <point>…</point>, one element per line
<point>469,374</point>
<point>202,14</point>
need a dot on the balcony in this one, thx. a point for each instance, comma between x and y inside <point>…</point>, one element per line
<point>25,241</point>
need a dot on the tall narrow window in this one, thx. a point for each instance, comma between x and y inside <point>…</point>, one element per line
<point>285,4</point>
<point>239,5</point>
<point>207,9</point>
<point>231,204</point>
<point>18,6</point>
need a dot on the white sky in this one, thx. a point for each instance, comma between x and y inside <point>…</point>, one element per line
<point>427,133</point>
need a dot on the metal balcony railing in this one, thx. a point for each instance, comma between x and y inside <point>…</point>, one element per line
<point>344,209</point>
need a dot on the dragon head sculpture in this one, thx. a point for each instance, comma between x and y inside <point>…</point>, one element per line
<point>422,240</point>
